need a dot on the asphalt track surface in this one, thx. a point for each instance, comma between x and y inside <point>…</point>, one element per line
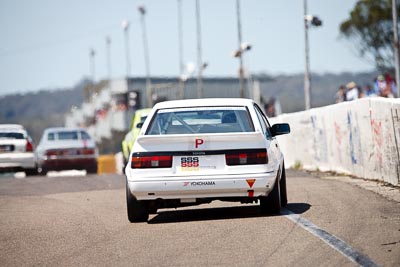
<point>81,220</point>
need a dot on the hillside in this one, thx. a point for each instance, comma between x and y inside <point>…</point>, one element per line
<point>46,108</point>
<point>40,110</point>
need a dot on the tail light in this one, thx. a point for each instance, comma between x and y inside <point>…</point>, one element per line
<point>87,151</point>
<point>52,153</point>
<point>151,162</point>
<point>29,146</point>
<point>246,158</point>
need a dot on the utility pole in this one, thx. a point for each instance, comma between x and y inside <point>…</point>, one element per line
<point>199,57</point>
<point>396,45</point>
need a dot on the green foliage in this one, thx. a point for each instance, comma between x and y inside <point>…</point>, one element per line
<point>371,25</point>
<point>298,165</point>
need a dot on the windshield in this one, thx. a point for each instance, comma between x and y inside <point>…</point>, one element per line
<point>201,120</point>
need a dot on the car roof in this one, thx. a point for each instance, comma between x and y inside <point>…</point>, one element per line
<point>204,102</point>
<point>11,127</point>
<point>62,129</point>
<point>142,111</point>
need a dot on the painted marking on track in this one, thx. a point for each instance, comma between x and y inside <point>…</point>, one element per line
<point>334,242</point>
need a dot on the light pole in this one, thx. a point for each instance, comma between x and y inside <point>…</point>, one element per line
<point>307,78</point>
<point>396,45</point>
<point>313,20</point>
<point>180,45</point>
<point>239,27</point>
<point>142,11</point>
<point>108,51</point>
<point>125,27</point>
<point>199,56</point>
<point>243,47</point>
<point>92,55</point>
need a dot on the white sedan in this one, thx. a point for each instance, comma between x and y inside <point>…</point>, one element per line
<point>16,149</point>
<point>191,152</point>
<point>66,149</point>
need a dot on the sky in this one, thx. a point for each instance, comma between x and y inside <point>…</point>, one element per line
<point>45,44</point>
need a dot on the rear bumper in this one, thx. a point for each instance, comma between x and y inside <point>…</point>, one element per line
<point>68,164</point>
<point>17,161</point>
<point>241,185</point>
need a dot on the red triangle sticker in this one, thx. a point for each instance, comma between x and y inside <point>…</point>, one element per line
<point>250,182</point>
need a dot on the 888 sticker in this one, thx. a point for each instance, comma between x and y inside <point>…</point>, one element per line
<point>190,163</point>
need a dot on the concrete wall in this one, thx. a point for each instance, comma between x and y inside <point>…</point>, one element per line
<point>360,138</point>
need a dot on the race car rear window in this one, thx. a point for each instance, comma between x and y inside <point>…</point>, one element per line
<point>12,135</point>
<point>70,135</point>
<point>85,135</point>
<point>50,136</point>
<point>201,120</point>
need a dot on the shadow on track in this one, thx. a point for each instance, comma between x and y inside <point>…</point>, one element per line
<point>222,213</point>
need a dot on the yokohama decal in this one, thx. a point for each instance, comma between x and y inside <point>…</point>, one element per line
<point>205,183</point>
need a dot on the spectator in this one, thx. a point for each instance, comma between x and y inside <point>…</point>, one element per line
<point>352,91</point>
<point>386,86</point>
<point>340,94</point>
<point>391,85</point>
<point>369,91</point>
<point>360,92</point>
<point>270,107</point>
<point>380,85</point>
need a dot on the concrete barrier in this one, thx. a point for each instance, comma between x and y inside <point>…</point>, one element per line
<point>360,138</point>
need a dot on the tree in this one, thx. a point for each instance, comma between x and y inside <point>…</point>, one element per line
<point>371,25</point>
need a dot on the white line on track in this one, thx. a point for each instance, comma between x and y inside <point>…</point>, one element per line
<point>330,239</point>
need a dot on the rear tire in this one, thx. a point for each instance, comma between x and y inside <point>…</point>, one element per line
<point>282,185</point>
<point>42,171</point>
<point>137,211</point>
<point>272,202</point>
<point>124,163</point>
<point>92,169</point>
<point>31,172</point>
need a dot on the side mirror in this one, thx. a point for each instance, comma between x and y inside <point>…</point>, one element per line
<point>280,128</point>
<point>139,125</point>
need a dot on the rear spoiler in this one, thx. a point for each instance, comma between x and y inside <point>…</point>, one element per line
<point>192,142</point>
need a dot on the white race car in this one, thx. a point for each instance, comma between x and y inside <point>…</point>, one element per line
<point>66,149</point>
<point>16,149</point>
<point>191,152</point>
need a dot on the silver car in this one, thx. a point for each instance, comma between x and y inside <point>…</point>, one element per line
<point>16,149</point>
